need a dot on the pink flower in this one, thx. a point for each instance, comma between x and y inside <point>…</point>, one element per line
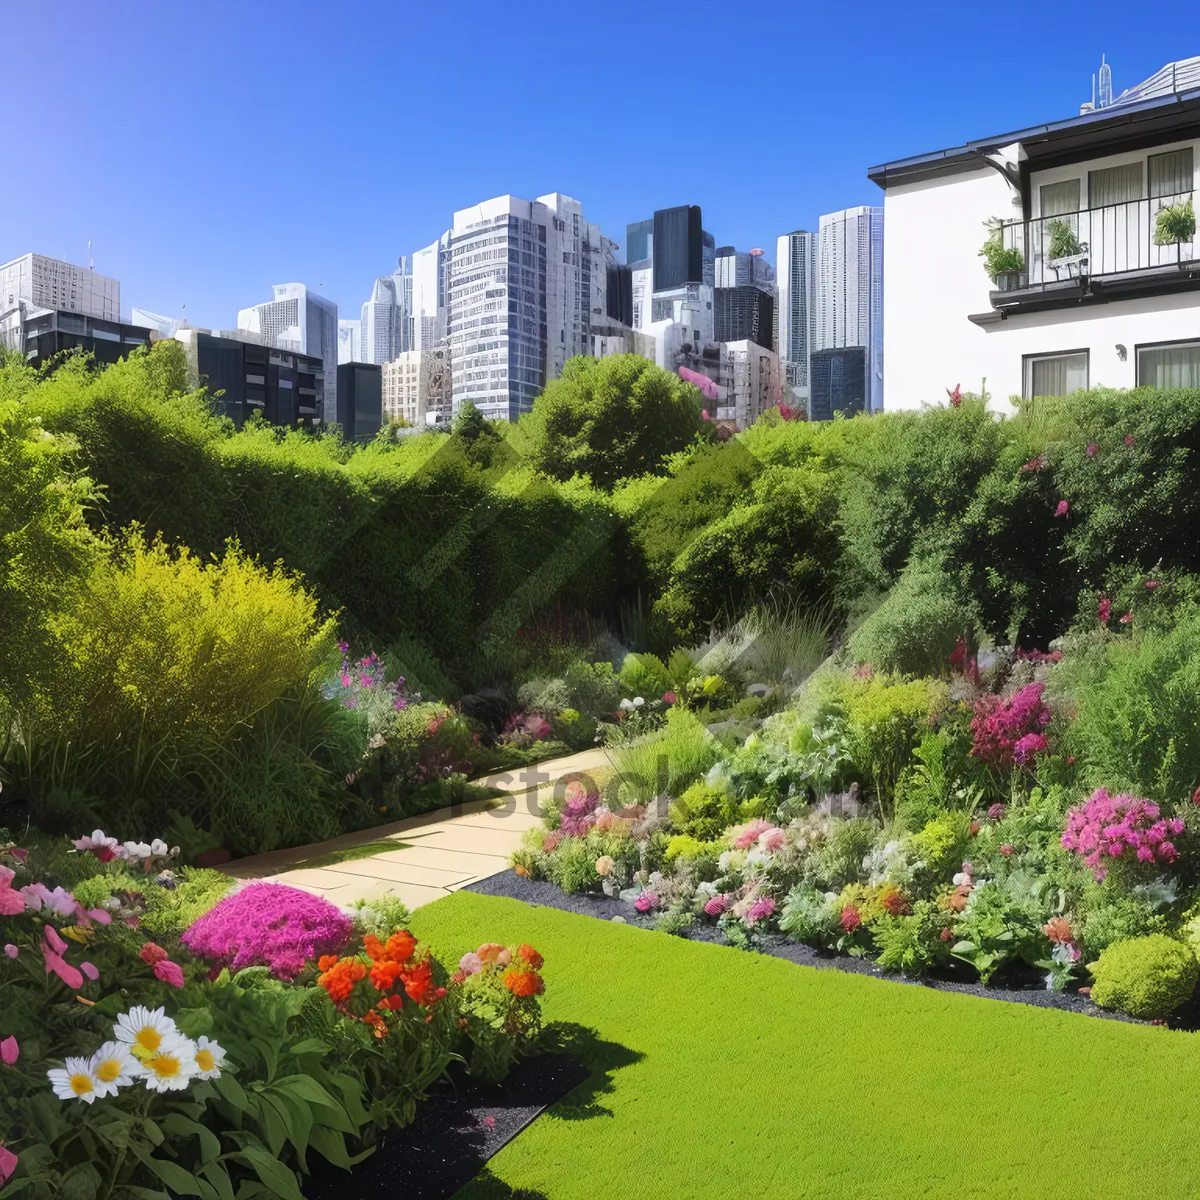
<point>11,950</point>
<point>669,698</point>
<point>999,727</point>
<point>1119,827</point>
<point>12,902</point>
<point>1151,584</point>
<point>53,948</point>
<point>760,910</point>
<point>1028,746</point>
<point>89,969</point>
<point>152,954</point>
<point>1006,850</point>
<point>751,832</point>
<point>172,973</point>
<point>1104,610</point>
<point>1061,510</point>
<point>1091,449</point>
<point>645,902</point>
<point>716,906</point>
<point>1129,439</point>
<point>1127,618</point>
<point>105,848</point>
<point>8,1163</point>
<point>470,964</point>
<point>10,1051</point>
<point>997,811</point>
<point>773,840</point>
<point>22,856</point>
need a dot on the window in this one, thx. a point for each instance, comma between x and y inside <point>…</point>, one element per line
<point>1174,365</point>
<point>1171,174</point>
<point>1058,198</point>
<point>1115,185</point>
<point>1055,374</point>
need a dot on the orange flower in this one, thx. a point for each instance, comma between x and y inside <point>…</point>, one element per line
<point>384,973</point>
<point>418,983</point>
<point>524,983</point>
<point>327,962</point>
<point>340,979</point>
<point>529,955</point>
<point>377,1022</point>
<point>1058,929</point>
<point>401,945</point>
<point>493,952</point>
<point>374,947</point>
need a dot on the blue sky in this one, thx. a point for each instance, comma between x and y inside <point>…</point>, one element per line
<point>210,150</point>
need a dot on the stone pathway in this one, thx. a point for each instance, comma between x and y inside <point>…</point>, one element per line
<point>435,853</point>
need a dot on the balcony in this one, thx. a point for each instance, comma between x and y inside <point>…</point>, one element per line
<point>1096,254</point>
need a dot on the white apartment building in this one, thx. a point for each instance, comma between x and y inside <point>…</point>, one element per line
<point>850,282</point>
<point>417,387</point>
<point>50,283</point>
<point>796,313</point>
<point>299,320</point>
<point>430,293</point>
<point>526,280</point>
<point>1098,289</point>
<point>350,342</point>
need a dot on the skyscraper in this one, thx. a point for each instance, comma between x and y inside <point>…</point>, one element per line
<point>349,342</point>
<point>850,289</point>
<point>300,320</point>
<point>678,248</point>
<point>526,280</point>
<point>796,270</point>
<point>387,316</point>
<point>430,293</point>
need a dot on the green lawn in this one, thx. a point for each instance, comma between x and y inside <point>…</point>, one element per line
<point>719,1073</point>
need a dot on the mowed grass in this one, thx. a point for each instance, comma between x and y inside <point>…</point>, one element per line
<point>720,1073</point>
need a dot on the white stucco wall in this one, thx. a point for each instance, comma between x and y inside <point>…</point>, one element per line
<point>934,277</point>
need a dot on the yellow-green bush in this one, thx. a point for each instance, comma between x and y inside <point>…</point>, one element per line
<point>1147,977</point>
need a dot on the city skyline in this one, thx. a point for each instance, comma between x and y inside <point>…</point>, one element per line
<point>173,227</point>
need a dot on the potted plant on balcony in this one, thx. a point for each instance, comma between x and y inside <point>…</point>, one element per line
<point>1065,252</point>
<point>1005,264</point>
<point>1175,224</point>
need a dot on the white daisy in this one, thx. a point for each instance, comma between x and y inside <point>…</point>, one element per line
<point>210,1058</point>
<point>76,1082</point>
<point>143,1030</point>
<point>113,1066</point>
<point>172,1066</point>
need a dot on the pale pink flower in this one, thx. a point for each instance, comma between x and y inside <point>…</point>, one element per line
<point>10,1051</point>
<point>470,964</point>
<point>11,950</point>
<point>169,972</point>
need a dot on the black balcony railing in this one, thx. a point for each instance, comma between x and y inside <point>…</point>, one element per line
<point>1112,240</point>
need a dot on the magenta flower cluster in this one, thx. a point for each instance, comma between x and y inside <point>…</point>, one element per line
<point>1012,730</point>
<point>579,814</point>
<point>1120,828</point>
<point>367,675</point>
<point>269,924</point>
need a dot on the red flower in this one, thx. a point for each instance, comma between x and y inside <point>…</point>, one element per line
<point>1104,610</point>
<point>851,918</point>
<point>955,396</point>
<point>529,955</point>
<point>151,954</point>
<point>947,934</point>
<point>959,655</point>
<point>1127,618</point>
<point>1035,464</point>
<point>1196,797</point>
<point>418,983</point>
<point>1006,850</point>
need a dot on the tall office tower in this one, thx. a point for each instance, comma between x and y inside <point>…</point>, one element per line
<point>850,289</point>
<point>743,268</point>
<point>430,293</point>
<point>796,310</point>
<point>744,313</point>
<point>380,321</point>
<point>50,283</point>
<point>526,280</point>
<point>678,247</point>
<point>349,342</point>
<point>301,321</point>
<point>405,324</point>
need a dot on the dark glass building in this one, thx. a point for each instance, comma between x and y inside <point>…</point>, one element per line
<point>679,246</point>
<point>244,378</point>
<point>359,400</point>
<point>618,292</point>
<point>839,382</point>
<point>46,334</point>
<point>743,314</point>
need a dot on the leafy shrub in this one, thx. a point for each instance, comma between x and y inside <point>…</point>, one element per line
<point>668,762</point>
<point>498,1007</point>
<point>913,944</point>
<point>1105,917</point>
<point>993,932</point>
<point>1175,223</point>
<point>548,696</point>
<point>612,418</point>
<point>839,860</point>
<point>700,856</point>
<point>576,729</point>
<point>781,537</point>
<point>886,718</point>
<point>941,844</point>
<point>1147,977</point>
<point>915,628</point>
<point>704,812</point>
<point>644,675</point>
<point>1138,724</point>
<point>810,916</point>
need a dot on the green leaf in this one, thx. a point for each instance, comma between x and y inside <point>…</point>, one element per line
<point>306,1088</point>
<point>172,1174</point>
<point>181,1126</point>
<point>272,1123</point>
<point>218,1177</point>
<point>332,1145</point>
<point>232,1092</point>
<point>299,1119</point>
<point>311,1046</point>
<point>147,1193</point>
<point>153,1132</point>
<point>275,1176</point>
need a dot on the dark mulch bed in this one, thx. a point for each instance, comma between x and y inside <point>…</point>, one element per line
<point>456,1131</point>
<point>1025,989</point>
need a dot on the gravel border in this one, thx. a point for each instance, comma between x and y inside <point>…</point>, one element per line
<point>549,895</point>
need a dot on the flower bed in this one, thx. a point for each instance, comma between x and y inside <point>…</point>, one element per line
<point>158,1033</point>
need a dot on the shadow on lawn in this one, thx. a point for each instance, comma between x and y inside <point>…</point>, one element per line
<point>600,1057</point>
<point>486,1186</point>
